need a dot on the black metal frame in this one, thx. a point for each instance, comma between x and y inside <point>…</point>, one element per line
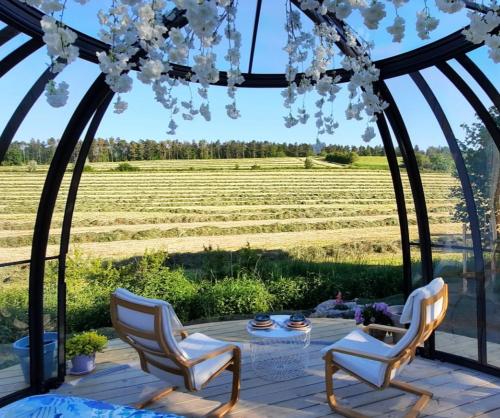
<point>22,19</point>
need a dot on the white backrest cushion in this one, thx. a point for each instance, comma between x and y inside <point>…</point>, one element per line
<point>145,322</point>
<point>412,310</point>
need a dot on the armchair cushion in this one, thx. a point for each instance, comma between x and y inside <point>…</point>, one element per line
<point>145,321</point>
<point>411,312</point>
<point>371,370</point>
<point>194,346</point>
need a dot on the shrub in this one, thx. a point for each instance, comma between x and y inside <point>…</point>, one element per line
<point>231,296</point>
<point>175,288</point>
<point>342,157</point>
<point>255,167</point>
<point>86,343</point>
<point>87,168</point>
<point>127,167</point>
<point>32,165</point>
<point>308,163</point>
<point>287,292</point>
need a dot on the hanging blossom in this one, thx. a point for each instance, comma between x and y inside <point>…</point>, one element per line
<point>57,94</point>
<point>479,31</point>
<point>234,76</point>
<point>450,6</point>
<point>425,23</point>
<point>59,40</point>
<point>142,37</point>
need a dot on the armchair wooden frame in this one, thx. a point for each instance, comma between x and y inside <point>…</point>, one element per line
<point>183,365</point>
<point>393,363</point>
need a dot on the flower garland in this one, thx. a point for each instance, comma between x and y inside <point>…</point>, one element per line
<point>143,35</point>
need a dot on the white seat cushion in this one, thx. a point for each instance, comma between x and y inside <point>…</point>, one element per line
<point>371,370</point>
<point>194,346</point>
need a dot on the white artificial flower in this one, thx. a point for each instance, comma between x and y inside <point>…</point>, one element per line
<point>232,111</point>
<point>120,106</point>
<point>56,94</point>
<point>493,43</point>
<point>373,14</point>
<point>205,112</point>
<point>172,126</point>
<point>480,26</point>
<point>425,24</point>
<point>450,6</point>
<point>369,134</point>
<point>397,30</point>
<point>150,70</point>
<point>290,121</point>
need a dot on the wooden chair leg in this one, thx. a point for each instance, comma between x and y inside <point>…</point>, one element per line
<point>330,370</point>
<point>235,390</point>
<point>423,400</point>
<point>154,397</point>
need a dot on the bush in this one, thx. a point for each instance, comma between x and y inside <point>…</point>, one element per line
<point>127,167</point>
<point>308,163</point>
<point>87,168</point>
<point>175,288</point>
<point>287,292</point>
<point>245,295</point>
<point>342,157</point>
<point>32,165</point>
<point>86,343</point>
<point>255,167</point>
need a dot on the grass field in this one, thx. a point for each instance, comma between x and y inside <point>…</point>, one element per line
<point>189,205</point>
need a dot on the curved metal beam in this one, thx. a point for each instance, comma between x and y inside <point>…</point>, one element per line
<point>254,34</point>
<point>480,78</point>
<point>22,110</point>
<point>470,205</point>
<point>474,101</point>
<point>86,108</point>
<point>399,194</point>
<point>19,54</point>
<point>403,138</point>
<point>7,33</point>
<point>66,229</point>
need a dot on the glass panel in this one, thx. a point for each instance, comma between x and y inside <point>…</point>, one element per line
<point>483,165</point>
<point>458,333</point>
<point>14,348</point>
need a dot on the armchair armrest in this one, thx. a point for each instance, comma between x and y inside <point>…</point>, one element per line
<point>385,328</point>
<point>361,354</point>
<point>212,354</point>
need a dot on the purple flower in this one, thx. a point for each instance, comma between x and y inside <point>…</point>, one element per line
<point>358,316</point>
<point>381,307</point>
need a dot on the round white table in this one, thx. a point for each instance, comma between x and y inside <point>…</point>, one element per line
<point>279,353</point>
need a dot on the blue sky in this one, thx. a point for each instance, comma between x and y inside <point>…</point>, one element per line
<point>262,110</point>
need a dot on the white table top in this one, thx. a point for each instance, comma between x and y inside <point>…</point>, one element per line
<point>278,331</point>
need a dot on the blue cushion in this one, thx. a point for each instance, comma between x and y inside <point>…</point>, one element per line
<point>60,406</point>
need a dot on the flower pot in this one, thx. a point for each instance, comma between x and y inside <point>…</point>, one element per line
<point>21,348</point>
<point>82,364</point>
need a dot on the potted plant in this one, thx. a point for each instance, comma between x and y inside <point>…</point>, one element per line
<point>374,313</point>
<point>81,349</point>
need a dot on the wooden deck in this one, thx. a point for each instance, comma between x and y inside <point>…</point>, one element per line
<point>459,392</point>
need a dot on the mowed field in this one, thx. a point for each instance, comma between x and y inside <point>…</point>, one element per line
<point>191,205</point>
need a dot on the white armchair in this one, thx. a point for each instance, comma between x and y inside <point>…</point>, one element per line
<point>167,351</point>
<point>377,363</point>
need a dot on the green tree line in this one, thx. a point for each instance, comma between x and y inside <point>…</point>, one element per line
<point>117,149</point>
